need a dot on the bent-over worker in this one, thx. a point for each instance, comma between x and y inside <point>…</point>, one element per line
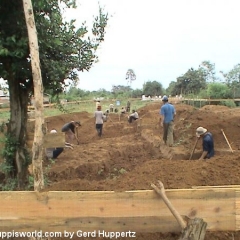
<point>70,130</point>
<point>133,116</point>
<point>123,110</point>
<point>207,143</point>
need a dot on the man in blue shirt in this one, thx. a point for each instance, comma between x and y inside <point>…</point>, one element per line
<point>167,113</point>
<point>207,142</point>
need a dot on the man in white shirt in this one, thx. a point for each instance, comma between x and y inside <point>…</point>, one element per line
<point>133,116</point>
<point>99,120</point>
<point>111,107</point>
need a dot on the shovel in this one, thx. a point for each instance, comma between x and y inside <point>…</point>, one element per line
<point>193,148</point>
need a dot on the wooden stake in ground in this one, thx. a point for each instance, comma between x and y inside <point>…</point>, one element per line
<point>47,122</point>
<point>227,140</point>
<point>192,229</point>
<point>194,147</point>
<point>37,148</point>
<point>108,117</point>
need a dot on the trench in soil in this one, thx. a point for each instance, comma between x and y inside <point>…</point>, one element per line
<point>118,158</point>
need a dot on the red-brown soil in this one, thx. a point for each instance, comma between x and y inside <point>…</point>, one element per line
<point>131,158</point>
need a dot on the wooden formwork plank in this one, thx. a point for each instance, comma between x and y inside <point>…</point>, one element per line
<point>54,140</point>
<point>140,211</point>
<point>237,202</point>
<point>221,186</point>
<point>49,141</point>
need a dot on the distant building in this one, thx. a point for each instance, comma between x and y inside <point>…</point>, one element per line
<point>46,99</point>
<point>4,95</point>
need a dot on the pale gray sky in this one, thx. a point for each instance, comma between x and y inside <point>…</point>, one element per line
<point>160,40</point>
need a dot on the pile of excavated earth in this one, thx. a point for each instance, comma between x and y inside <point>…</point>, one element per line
<point>132,156</point>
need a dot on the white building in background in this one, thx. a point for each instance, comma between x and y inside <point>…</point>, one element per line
<point>4,95</point>
<point>46,99</point>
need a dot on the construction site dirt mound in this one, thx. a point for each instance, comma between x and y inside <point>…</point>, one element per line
<point>132,156</point>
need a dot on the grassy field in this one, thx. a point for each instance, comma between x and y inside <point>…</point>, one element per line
<point>81,106</point>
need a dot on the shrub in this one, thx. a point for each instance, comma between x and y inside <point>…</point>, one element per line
<point>228,103</point>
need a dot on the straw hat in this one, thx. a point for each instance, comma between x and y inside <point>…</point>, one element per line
<point>200,131</point>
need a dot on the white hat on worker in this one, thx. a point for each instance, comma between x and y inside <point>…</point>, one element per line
<point>200,131</point>
<point>53,131</point>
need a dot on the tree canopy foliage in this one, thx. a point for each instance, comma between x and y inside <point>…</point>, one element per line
<point>191,82</point>
<point>152,88</point>
<point>63,49</point>
<point>218,91</point>
<point>130,76</point>
<point>201,81</point>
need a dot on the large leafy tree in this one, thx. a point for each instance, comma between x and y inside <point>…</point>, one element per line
<point>63,49</point>
<point>232,80</point>
<point>191,82</point>
<point>218,91</point>
<point>152,88</point>
<point>172,89</point>
<point>118,89</point>
<point>209,70</point>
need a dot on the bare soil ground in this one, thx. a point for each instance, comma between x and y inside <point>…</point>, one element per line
<point>128,157</point>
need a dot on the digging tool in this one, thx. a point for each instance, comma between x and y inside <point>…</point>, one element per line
<point>161,191</point>
<point>194,147</point>
<point>76,135</point>
<point>47,122</point>
<point>227,140</point>
<point>108,117</point>
<point>192,229</point>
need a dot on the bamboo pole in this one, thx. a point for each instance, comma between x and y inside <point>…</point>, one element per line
<point>227,140</point>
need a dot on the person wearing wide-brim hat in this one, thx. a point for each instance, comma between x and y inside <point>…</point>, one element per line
<point>207,142</point>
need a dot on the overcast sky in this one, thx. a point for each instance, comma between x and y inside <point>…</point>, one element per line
<point>161,39</point>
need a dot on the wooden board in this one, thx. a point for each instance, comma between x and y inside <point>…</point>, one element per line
<point>140,211</point>
<point>49,140</point>
<point>54,140</point>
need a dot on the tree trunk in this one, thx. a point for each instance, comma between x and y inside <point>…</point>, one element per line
<point>37,149</point>
<point>17,132</point>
